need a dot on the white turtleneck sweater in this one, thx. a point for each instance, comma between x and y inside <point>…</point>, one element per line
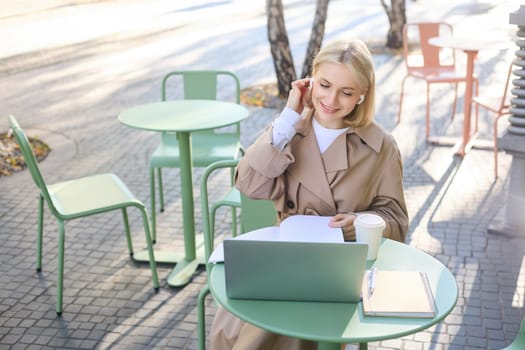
<point>283,130</point>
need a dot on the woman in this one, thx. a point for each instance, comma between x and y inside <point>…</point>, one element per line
<point>324,155</point>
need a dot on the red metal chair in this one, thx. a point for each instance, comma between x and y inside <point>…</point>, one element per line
<point>498,104</point>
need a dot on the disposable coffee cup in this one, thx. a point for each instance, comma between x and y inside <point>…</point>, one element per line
<point>369,229</point>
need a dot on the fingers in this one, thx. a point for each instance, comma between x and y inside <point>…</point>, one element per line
<point>297,94</point>
<point>307,99</point>
<point>294,100</point>
<point>344,221</point>
<point>301,84</point>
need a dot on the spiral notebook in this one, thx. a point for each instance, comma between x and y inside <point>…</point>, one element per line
<point>399,294</point>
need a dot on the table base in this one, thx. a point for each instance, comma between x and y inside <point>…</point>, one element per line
<point>184,270</point>
<point>161,256</point>
<point>456,142</point>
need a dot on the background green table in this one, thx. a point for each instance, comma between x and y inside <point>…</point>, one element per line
<point>334,323</point>
<point>183,117</point>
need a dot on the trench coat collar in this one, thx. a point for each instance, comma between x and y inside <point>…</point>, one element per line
<point>334,159</point>
<point>371,134</point>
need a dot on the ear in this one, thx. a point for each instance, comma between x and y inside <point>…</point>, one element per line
<point>361,99</point>
<point>311,83</point>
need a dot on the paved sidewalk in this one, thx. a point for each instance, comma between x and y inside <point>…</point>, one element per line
<point>68,68</point>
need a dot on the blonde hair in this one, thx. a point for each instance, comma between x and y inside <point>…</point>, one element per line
<point>354,54</point>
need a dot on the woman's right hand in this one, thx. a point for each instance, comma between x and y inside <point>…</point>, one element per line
<point>300,95</point>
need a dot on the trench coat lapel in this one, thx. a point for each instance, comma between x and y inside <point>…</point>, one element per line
<point>309,168</point>
<point>335,157</point>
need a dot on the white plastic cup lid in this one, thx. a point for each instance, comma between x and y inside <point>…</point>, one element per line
<point>370,221</point>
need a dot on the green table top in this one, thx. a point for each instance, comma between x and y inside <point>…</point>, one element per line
<point>183,115</point>
<point>345,322</point>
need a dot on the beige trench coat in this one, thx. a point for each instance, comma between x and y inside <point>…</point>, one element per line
<point>360,172</point>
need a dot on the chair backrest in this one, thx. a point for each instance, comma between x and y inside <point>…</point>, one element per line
<point>31,162</point>
<point>254,213</point>
<point>201,85</point>
<point>494,98</point>
<point>426,56</point>
<point>505,98</point>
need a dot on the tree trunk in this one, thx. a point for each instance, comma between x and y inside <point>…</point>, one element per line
<point>316,37</point>
<point>280,47</point>
<point>397,18</point>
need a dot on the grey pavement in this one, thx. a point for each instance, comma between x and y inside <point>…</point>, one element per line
<point>67,69</point>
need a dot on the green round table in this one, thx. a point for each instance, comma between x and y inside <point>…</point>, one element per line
<point>183,117</point>
<point>331,324</point>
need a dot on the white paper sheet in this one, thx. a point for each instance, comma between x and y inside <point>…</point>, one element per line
<point>309,228</point>
<point>302,228</point>
<point>270,233</point>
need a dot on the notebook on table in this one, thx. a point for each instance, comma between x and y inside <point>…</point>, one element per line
<point>399,293</point>
<point>300,271</point>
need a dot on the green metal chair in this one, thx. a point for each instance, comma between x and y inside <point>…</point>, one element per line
<point>519,341</point>
<point>208,146</point>
<point>78,198</point>
<point>254,214</point>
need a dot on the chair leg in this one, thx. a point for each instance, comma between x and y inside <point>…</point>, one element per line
<point>427,116</point>
<point>213,211</point>
<point>454,104</point>
<point>151,254</point>
<point>234,210</point>
<point>161,190</point>
<point>128,235</point>
<point>40,233</point>
<point>401,99</point>
<point>234,221</point>
<point>495,140</point>
<point>495,152</point>
<point>60,267</point>
<point>201,316</point>
<point>152,199</point>
<point>476,112</point>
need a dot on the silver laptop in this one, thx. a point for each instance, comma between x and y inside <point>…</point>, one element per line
<point>301,271</point>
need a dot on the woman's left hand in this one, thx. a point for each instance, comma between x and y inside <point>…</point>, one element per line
<point>346,223</point>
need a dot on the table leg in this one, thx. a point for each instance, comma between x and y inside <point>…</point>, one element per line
<point>466,142</point>
<point>185,268</point>
<point>328,346</point>
<point>189,262</point>
<point>170,256</point>
<point>337,346</point>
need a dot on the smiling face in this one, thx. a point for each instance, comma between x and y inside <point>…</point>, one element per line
<point>342,72</point>
<point>334,94</point>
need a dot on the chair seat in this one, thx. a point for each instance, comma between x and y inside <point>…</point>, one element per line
<point>90,195</point>
<point>491,103</point>
<point>437,76</point>
<point>232,198</point>
<point>206,149</point>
